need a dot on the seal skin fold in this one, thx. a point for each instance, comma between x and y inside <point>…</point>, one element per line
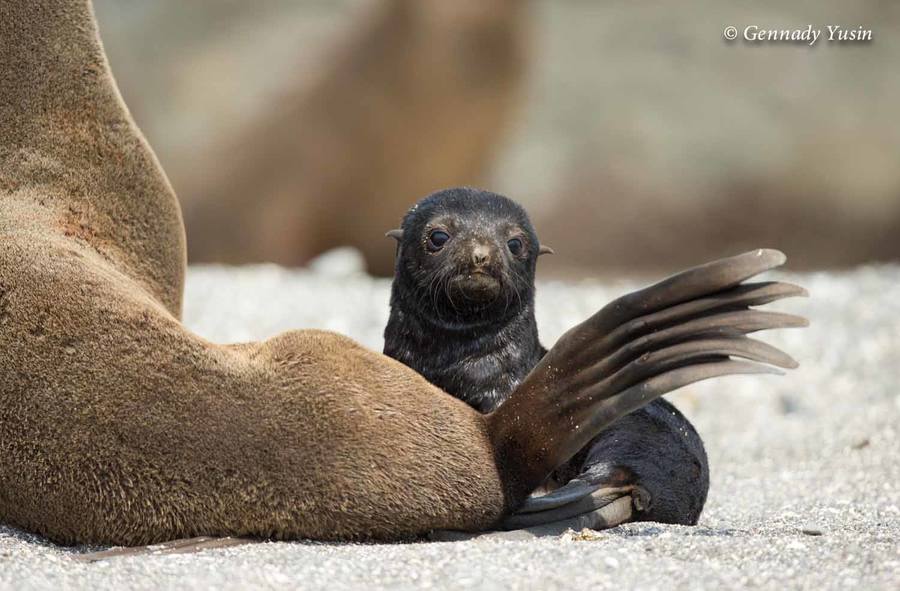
<point>119,426</point>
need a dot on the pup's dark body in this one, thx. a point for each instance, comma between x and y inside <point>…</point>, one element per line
<point>462,315</point>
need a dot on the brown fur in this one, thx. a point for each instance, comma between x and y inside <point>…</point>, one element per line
<point>117,425</point>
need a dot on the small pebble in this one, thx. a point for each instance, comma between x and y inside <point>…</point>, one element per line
<point>861,444</point>
<point>810,530</point>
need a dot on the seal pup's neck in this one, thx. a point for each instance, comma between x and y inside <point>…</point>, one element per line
<point>480,362</point>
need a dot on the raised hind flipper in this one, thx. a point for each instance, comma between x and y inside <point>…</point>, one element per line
<point>652,456</point>
<point>684,329</point>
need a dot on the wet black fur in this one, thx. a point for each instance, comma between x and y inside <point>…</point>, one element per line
<point>480,349</point>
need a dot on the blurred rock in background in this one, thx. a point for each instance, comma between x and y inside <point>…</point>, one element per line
<point>408,95</point>
<point>639,139</point>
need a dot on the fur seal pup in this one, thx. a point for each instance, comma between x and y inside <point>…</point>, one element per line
<point>118,426</point>
<point>462,315</point>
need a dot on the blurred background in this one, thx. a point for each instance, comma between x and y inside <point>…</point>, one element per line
<point>639,139</point>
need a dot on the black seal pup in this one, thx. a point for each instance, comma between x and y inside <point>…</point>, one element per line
<point>462,315</point>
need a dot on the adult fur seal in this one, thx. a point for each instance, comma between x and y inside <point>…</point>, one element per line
<point>119,426</point>
<point>462,315</point>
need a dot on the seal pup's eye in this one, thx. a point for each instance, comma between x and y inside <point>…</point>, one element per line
<point>515,246</point>
<point>436,240</point>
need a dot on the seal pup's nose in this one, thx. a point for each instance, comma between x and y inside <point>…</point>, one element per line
<point>481,255</point>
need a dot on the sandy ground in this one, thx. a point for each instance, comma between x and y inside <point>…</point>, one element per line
<point>805,471</point>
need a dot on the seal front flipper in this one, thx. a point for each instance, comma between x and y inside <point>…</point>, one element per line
<point>564,505</point>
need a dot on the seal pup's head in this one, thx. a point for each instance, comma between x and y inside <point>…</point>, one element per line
<point>466,255</point>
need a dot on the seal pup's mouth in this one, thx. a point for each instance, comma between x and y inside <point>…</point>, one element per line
<point>476,285</point>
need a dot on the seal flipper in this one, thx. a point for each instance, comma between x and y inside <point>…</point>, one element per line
<point>677,332</point>
<point>576,505</point>
<point>612,509</point>
<point>599,497</point>
<point>675,479</point>
<point>574,490</point>
<point>671,484</point>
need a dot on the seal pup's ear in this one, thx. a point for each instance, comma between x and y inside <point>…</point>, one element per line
<point>395,234</point>
<point>545,250</point>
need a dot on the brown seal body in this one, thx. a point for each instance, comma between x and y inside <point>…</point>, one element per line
<point>119,426</point>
